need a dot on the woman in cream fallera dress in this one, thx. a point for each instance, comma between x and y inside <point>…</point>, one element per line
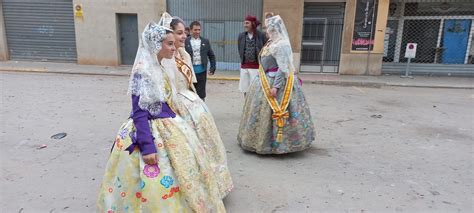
<point>192,109</point>
<point>182,180</point>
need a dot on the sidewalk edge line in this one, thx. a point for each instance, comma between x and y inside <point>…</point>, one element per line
<point>321,82</point>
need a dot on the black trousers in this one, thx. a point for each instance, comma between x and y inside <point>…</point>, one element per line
<point>201,84</point>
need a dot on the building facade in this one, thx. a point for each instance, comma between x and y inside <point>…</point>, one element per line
<point>347,37</point>
<point>442,30</point>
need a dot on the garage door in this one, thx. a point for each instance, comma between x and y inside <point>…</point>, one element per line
<point>222,21</point>
<point>40,30</point>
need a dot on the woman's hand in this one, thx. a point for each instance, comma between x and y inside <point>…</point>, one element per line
<point>274,92</point>
<point>150,159</point>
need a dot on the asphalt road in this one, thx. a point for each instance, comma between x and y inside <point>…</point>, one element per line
<point>377,150</point>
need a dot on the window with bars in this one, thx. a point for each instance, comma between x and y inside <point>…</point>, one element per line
<point>442,30</point>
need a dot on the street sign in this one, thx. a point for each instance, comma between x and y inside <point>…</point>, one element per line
<point>410,51</point>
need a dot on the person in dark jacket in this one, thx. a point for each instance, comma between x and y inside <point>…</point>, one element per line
<point>201,53</point>
<point>187,31</point>
<point>250,43</point>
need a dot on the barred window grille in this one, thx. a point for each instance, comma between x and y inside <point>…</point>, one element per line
<point>443,30</point>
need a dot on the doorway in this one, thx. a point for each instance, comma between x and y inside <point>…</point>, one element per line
<point>128,32</point>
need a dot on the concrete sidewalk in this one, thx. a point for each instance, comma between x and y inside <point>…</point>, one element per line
<point>327,79</point>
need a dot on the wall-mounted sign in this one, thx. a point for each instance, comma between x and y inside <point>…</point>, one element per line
<point>78,11</point>
<point>364,25</point>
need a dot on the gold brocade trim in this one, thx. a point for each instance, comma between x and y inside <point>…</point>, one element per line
<point>168,91</point>
<point>186,71</point>
<point>280,112</point>
<point>265,51</point>
<point>169,97</point>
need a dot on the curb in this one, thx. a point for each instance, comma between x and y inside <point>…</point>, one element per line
<point>380,85</point>
<point>60,72</point>
<point>430,86</point>
<point>223,78</point>
<point>23,70</point>
<point>346,83</point>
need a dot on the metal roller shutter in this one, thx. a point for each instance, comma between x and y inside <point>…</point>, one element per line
<point>222,21</point>
<point>40,30</point>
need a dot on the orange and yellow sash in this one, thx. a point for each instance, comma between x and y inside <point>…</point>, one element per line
<point>280,112</point>
<point>186,71</point>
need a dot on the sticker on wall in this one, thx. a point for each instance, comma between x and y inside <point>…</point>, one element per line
<point>78,11</point>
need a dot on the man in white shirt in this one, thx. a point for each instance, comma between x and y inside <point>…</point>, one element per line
<point>201,53</point>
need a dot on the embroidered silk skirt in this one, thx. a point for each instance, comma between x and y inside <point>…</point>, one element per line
<point>182,181</point>
<point>258,131</point>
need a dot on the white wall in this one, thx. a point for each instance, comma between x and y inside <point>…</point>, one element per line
<point>3,38</point>
<point>97,34</point>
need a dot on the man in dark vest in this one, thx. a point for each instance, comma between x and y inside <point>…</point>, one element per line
<point>250,43</point>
